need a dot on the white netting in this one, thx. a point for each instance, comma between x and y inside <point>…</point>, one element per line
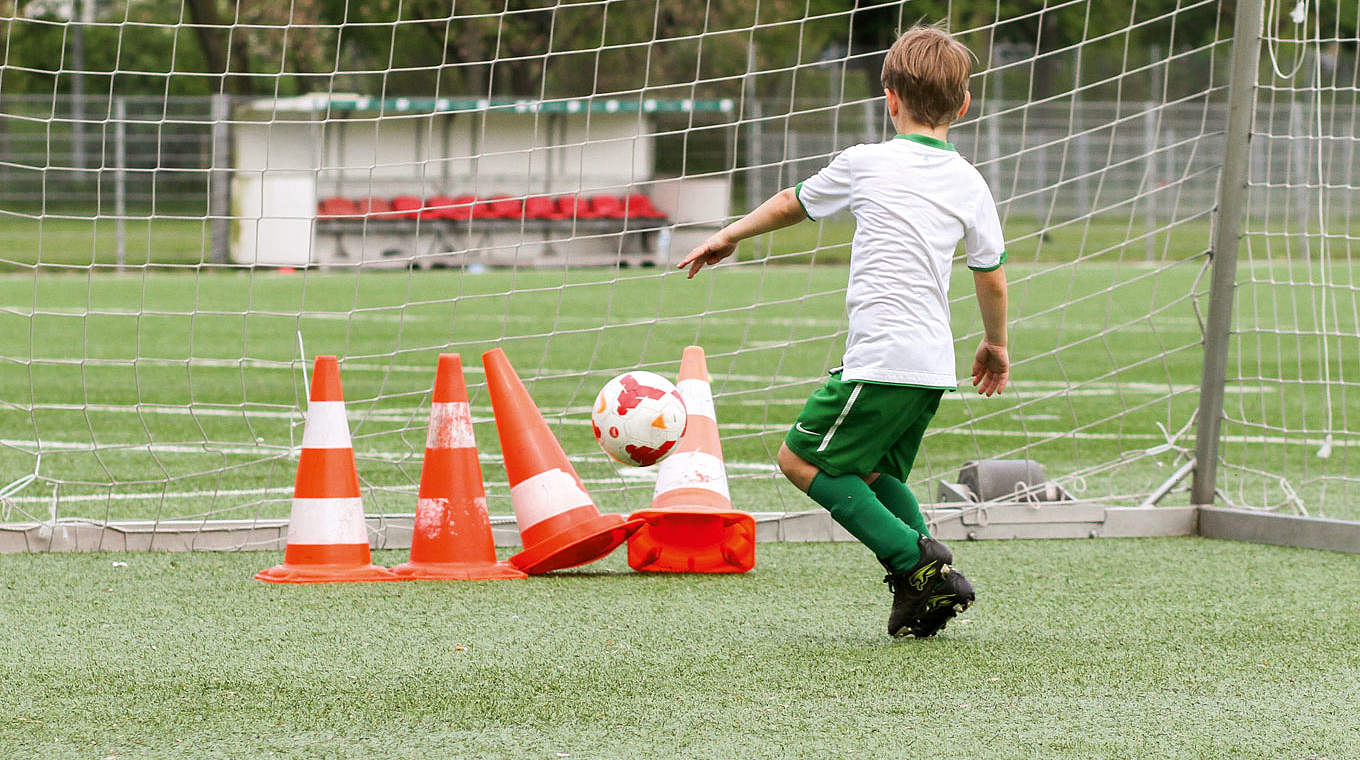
<point>1293,419</point>
<point>179,242</point>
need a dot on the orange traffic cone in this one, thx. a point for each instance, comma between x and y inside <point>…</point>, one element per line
<point>691,527</point>
<point>558,522</point>
<point>451,539</point>
<point>327,537</point>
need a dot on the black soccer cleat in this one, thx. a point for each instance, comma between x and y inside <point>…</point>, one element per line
<point>913,588</point>
<point>954,595</point>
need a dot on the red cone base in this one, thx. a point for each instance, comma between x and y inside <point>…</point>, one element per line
<point>584,542</point>
<point>697,541</point>
<point>457,571</point>
<point>325,574</point>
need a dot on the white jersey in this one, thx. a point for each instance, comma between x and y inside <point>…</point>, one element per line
<point>914,198</point>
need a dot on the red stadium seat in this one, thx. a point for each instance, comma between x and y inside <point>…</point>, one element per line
<point>607,206</point>
<point>336,207</point>
<point>571,206</point>
<point>379,208</point>
<point>439,207</point>
<point>410,206</point>
<point>481,209</point>
<point>640,207</point>
<point>461,208</point>
<point>506,207</point>
<point>542,208</point>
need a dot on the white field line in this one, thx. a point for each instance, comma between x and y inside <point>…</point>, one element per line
<point>1046,436</point>
<point>384,314</point>
<point>155,495</point>
<point>275,452</point>
<point>1084,392</point>
<point>284,492</point>
<point>1043,389</point>
<point>752,467</point>
<point>349,366</point>
<point>381,314</point>
<point>268,451</point>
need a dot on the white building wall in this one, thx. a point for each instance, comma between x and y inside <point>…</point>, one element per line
<point>273,193</point>
<point>283,168</point>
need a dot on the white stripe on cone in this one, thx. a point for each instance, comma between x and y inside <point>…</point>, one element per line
<point>698,397</point>
<point>326,426</point>
<point>692,469</point>
<point>450,426</point>
<point>328,521</point>
<point>430,514</point>
<point>547,494</point>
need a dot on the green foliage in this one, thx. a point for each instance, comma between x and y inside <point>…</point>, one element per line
<point>574,48</point>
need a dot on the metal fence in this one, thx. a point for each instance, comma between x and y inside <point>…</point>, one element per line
<point>1053,163</point>
<point>63,154</point>
<point>150,156</point>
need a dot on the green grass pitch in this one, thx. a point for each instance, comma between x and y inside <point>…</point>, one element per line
<point>175,393</point>
<point>1141,648</point>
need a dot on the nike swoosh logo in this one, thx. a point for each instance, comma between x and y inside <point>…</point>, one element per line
<point>799,427</point>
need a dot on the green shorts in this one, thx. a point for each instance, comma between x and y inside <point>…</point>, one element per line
<point>857,428</point>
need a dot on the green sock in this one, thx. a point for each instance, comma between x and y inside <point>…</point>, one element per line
<point>852,504</point>
<point>900,501</point>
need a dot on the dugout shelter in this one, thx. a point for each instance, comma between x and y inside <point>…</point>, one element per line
<point>351,180</point>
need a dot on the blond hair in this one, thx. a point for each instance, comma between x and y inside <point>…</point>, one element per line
<point>928,69</point>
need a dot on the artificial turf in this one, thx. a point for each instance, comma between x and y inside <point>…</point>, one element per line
<point>1147,648</point>
<point>177,390</point>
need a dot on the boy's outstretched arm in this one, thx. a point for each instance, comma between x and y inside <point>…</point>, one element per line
<point>991,365</point>
<point>781,210</point>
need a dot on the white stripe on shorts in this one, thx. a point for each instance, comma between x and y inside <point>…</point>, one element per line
<point>826,440</point>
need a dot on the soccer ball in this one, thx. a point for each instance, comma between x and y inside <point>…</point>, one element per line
<point>638,418</point>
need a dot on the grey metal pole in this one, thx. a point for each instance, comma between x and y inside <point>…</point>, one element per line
<point>995,105</point>
<point>1083,149</point>
<point>1298,178</point>
<point>1150,187</point>
<point>82,15</point>
<point>754,136</point>
<point>755,156</point>
<point>219,179</point>
<point>120,179</point>
<point>1151,127</point>
<point>1041,179</point>
<point>1232,195</point>
<point>445,154</point>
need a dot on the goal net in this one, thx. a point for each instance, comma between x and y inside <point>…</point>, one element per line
<point>1292,415</point>
<point>198,197</point>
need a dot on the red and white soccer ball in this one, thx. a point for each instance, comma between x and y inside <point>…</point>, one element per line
<point>638,418</point>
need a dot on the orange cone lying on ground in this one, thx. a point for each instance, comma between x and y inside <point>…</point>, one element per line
<point>451,538</point>
<point>558,522</point>
<point>691,527</point>
<point>327,537</point>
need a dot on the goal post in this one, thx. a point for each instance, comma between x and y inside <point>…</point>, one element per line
<point>197,198</point>
<point>1232,185</point>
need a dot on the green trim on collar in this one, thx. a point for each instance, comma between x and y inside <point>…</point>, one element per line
<point>933,142</point>
<point>797,189</point>
<point>991,269</point>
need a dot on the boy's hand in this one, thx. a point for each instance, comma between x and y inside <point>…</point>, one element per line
<point>991,368</point>
<point>713,250</point>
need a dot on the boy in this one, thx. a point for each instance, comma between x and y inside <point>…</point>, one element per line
<point>914,198</point>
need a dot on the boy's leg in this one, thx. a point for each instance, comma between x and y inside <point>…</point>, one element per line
<point>953,593</point>
<point>888,482</point>
<point>852,503</point>
<point>900,501</point>
<point>843,429</point>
